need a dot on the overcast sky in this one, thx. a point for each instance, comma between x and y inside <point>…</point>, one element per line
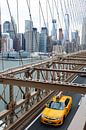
<point>34,4</point>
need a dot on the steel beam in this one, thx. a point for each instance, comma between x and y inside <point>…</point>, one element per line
<point>61,70</point>
<point>70,63</point>
<point>24,68</point>
<point>61,86</point>
<point>77,59</point>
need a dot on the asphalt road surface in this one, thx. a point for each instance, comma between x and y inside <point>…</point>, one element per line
<point>37,125</point>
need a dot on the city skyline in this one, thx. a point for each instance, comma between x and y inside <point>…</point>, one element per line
<point>24,15</point>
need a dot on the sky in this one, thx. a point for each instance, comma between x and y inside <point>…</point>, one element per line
<point>74,12</point>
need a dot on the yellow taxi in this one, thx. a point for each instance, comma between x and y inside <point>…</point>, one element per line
<point>56,110</point>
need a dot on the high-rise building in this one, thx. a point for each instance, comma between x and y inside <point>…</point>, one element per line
<point>35,40</point>
<point>75,39</point>
<point>28,25</point>
<point>28,36</point>
<point>28,41</point>
<point>74,36</point>
<point>60,35</point>
<point>43,40</point>
<point>66,31</point>
<point>16,44</point>
<point>13,28</point>
<point>83,42</point>
<point>7,42</point>
<point>21,38</point>
<point>6,27</point>
<point>10,27</point>
<point>54,30</point>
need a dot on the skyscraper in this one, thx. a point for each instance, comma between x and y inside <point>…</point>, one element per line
<point>28,25</point>
<point>54,30</point>
<point>60,35</point>
<point>66,31</point>
<point>6,27</point>
<point>10,27</point>
<point>28,41</point>
<point>35,41</point>
<point>83,42</point>
<point>43,40</point>
<point>74,36</point>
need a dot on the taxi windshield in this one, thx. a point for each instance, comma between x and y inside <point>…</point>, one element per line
<point>56,105</point>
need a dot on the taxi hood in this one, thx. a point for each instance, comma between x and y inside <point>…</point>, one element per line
<point>53,113</point>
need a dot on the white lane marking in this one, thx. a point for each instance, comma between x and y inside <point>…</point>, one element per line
<point>74,79</point>
<point>32,122</point>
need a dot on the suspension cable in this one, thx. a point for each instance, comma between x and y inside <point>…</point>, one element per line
<point>13,26</point>
<point>11,17</point>
<point>40,18</point>
<point>28,5</point>
<point>17,16</point>
<point>72,23</point>
<point>50,9</point>
<point>47,14</point>
<point>73,16</point>
<point>53,8</point>
<point>62,11</point>
<point>57,13</point>
<point>74,5</point>
<point>42,13</point>
<point>74,12</point>
<point>63,15</point>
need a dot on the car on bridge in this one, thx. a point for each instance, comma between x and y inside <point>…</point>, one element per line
<point>56,110</point>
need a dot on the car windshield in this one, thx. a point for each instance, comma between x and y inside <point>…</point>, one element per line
<point>56,105</point>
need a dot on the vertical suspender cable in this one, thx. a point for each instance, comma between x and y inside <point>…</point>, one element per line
<point>47,15</point>
<point>50,9</point>
<point>11,17</point>
<point>42,13</point>
<point>53,8</point>
<point>1,41</point>
<point>13,26</point>
<point>29,9</point>
<point>74,11</point>
<point>63,15</point>
<point>72,23</point>
<point>57,13</point>
<point>71,4</point>
<point>40,18</point>
<point>17,16</point>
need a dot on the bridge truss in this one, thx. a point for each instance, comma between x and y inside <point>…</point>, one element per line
<point>46,78</point>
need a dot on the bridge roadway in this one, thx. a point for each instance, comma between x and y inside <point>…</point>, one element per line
<point>36,125</point>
